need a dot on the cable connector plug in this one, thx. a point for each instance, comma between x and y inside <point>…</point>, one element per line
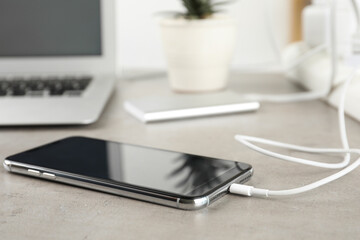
<point>249,191</point>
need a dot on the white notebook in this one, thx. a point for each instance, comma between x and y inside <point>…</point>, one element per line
<point>178,106</point>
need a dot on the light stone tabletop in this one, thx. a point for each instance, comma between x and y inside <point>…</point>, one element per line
<point>35,209</point>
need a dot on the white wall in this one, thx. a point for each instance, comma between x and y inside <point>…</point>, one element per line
<point>139,42</point>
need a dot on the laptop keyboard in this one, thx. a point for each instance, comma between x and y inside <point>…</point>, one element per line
<point>40,86</point>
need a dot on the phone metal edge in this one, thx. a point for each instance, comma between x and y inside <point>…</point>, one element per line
<point>138,194</point>
<point>199,203</point>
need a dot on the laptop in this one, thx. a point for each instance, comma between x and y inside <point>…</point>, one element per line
<point>57,61</point>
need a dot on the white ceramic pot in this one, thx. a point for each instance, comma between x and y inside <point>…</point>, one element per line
<point>198,52</point>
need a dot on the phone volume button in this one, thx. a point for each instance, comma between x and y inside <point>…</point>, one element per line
<point>33,172</point>
<point>48,175</point>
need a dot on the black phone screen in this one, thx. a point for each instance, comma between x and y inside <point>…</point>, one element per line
<point>50,28</point>
<point>158,170</point>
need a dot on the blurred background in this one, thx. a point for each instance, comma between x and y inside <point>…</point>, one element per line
<point>139,43</point>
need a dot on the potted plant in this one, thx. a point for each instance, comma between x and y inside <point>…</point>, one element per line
<point>199,46</point>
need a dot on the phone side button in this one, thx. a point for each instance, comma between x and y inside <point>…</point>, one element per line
<point>48,175</point>
<point>33,172</point>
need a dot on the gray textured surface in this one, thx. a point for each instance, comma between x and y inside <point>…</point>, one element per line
<point>37,209</point>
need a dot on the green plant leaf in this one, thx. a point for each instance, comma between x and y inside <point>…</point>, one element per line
<point>200,9</point>
<point>223,3</point>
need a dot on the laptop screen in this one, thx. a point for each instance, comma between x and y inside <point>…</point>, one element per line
<point>50,28</point>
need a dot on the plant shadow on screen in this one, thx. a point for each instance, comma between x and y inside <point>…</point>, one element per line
<point>199,168</point>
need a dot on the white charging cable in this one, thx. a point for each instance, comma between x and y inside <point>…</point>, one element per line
<point>268,22</point>
<point>276,49</point>
<point>355,6</point>
<point>247,140</point>
<point>306,96</point>
<point>356,35</point>
<point>308,54</point>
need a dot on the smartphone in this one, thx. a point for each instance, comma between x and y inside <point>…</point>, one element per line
<point>179,180</point>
